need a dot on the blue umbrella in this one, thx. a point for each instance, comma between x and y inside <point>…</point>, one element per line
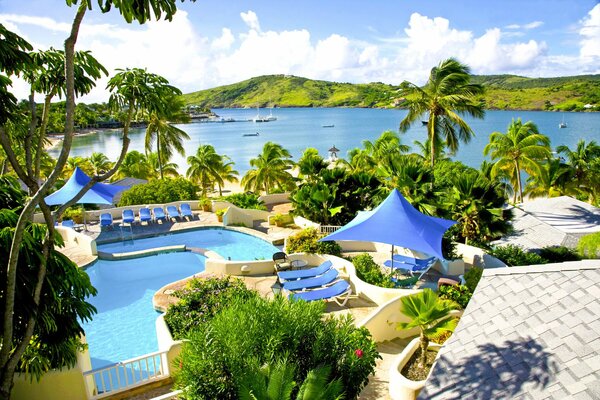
<point>395,221</point>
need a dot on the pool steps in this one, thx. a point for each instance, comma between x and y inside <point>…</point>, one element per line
<point>141,253</point>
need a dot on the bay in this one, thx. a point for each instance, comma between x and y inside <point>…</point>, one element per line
<point>299,128</point>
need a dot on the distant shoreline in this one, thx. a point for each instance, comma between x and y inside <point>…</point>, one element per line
<point>55,138</point>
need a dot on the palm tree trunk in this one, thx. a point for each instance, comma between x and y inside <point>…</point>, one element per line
<point>519,184</point>
<point>430,133</point>
<point>160,168</point>
<point>424,345</point>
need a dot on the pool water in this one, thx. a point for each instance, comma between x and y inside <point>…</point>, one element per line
<point>227,243</point>
<point>124,326</point>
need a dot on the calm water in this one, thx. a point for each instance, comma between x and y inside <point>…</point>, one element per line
<point>299,128</point>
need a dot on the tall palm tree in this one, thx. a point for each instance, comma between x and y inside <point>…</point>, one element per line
<point>204,167</point>
<point>226,173</point>
<point>447,95</point>
<point>581,161</point>
<point>270,169</point>
<point>555,179</point>
<point>522,147</point>
<point>167,136</point>
<point>168,168</point>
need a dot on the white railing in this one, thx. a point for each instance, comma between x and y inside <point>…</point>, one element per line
<point>125,375</point>
<point>329,228</point>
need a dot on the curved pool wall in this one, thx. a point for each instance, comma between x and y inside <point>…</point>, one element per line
<point>228,243</point>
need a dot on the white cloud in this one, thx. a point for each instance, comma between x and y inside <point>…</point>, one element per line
<point>251,19</point>
<point>533,25</point>
<point>224,41</point>
<point>590,32</point>
<point>42,22</point>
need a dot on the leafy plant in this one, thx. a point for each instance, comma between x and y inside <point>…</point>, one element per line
<point>306,241</point>
<point>368,271</point>
<point>246,200</point>
<point>472,277</point>
<point>589,245</point>
<point>201,300</point>
<point>221,212</point>
<point>75,213</point>
<point>557,254</point>
<point>515,256</point>
<point>278,219</point>
<point>160,192</point>
<point>459,294</point>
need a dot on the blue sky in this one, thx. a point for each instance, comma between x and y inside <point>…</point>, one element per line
<point>210,43</point>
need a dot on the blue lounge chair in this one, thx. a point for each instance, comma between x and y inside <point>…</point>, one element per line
<point>159,213</point>
<point>310,283</point>
<point>416,267</point>
<point>186,210</point>
<point>106,220</point>
<point>128,216</point>
<point>172,212</point>
<point>68,223</point>
<point>144,214</point>
<point>337,291</point>
<point>305,273</point>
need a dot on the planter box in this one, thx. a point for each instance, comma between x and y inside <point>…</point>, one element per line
<point>402,388</point>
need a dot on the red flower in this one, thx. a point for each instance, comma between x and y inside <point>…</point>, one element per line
<point>359,353</point>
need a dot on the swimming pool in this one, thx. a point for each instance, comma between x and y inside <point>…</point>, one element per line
<point>124,326</point>
<point>227,243</point>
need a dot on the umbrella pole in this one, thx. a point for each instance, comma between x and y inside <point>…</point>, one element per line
<point>83,213</point>
<point>392,258</point>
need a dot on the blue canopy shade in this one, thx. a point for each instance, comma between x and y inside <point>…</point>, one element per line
<point>395,221</point>
<point>100,193</point>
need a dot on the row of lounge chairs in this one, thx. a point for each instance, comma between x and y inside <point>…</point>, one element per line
<point>413,266</point>
<point>145,215</point>
<point>318,283</point>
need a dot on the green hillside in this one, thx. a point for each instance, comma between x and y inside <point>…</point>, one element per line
<point>505,92</point>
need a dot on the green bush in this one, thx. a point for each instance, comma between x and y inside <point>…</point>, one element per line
<point>368,271</point>
<point>201,300</point>
<point>267,331</point>
<point>472,277</point>
<point>589,245</point>
<point>246,200</point>
<point>75,213</point>
<point>459,294</point>
<point>306,241</point>
<point>159,192</point>
<point>559,254</point>
<point>515,256</point>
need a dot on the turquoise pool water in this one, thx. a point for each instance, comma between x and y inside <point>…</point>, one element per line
<point>124,326</point>
<point>227,243</point>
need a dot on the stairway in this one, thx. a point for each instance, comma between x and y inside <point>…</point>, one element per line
<point>377,388</point>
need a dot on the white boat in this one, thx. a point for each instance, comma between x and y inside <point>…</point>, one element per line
<point>264,118</point>
<point>563,124</point>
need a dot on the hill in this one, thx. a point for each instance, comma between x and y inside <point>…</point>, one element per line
<point>505,92</point>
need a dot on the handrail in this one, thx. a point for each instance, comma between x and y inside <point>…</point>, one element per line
<point>121,376</point>
<point>328,228</point>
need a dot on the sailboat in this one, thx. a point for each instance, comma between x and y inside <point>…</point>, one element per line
<point>266,118</point>
<point>563,124</point>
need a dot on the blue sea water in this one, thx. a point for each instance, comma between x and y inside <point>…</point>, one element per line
<point>299,128</point>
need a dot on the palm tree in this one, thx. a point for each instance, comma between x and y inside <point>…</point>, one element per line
<point>581,161</point>
<point>522,147</point>
<point>270,169</point>
<point>554,179</point>
<point>166,136</point>
<point>386,147</point>
<point>135,165</point>
<point>204,167</point>
<point>310,164</point>
<point>100,163</point>
<point>226,173</point>
<point>446,96</point>
<point>168,168</point>
<point>430,314</point>
<point>359,160</point>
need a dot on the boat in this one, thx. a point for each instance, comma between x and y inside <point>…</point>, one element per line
<point>425,122</point>
<point>328,126</point>
<point>264,118</point>
<point>563,124</point>
<point>251,134</point>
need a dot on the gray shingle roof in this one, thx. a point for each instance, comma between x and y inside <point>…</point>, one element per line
<point>529,333</point>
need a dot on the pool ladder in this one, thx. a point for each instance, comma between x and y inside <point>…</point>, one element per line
<point>123,233</point>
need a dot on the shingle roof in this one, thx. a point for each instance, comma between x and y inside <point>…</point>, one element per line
<point>529,333</point>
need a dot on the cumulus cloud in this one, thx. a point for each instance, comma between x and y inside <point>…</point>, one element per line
<point>590,33</point>
<point>224,41</point>
<point>251,19</point>
<point>531,25</point>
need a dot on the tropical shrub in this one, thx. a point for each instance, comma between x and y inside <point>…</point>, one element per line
<point>159,192</point>
<point>368,271</point>
<point>75,213</point>
<point>246,200</point>
<point>589,245</point>
<point>558,254</point>
<point>515,256</point>
<point>266,331</point>
<point>459,294</point>
<point>472,277</point>
<point>306,241</point>
<point>201,300</point>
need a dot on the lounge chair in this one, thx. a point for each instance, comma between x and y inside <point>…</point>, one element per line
<point>311,283</point>
<point>106,220</point>
<point>186,210</point>
<point>282,262</point>
<point>144,215</point>
<point>417,267</point>
<point>305,273</point>
<point>337,291</point>
<point>68,223</point>
<point>172,212</point>
<point>128,216</point>
<point>159,213</point>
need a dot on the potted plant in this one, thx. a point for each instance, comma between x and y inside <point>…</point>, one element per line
<point>220,214</point>
<point>278,220</point>
<point>205,204</point>
<point>431,316</point>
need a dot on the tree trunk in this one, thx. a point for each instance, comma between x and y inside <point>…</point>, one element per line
<point>430,133</point>
<point>519,185</point>
<point>424,345</point>
<point>158,155</point>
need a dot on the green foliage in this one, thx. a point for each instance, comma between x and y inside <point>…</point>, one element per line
<point>201,300</point>
<point>221,212</point>
<point>472,277</point>
<point>246,200</point>
<point>217,356</point>
<point>589,245</point>
<point>459,294</point>
<point>306,241</point>
<point>160,192</point>
<point>368,271</point>
<point>558,254</point>
<point>515,256</point>
<point>11,195</point>
<point>75,213</point>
